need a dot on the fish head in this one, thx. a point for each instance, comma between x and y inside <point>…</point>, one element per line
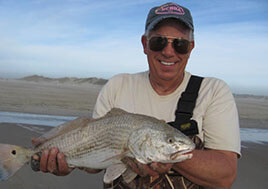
<point>164,144</point>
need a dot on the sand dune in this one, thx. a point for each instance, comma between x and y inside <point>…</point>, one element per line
<point>48,97</point>
<point>68,80</point>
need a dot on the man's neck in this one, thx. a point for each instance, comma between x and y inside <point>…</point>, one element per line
<point>165,87</point>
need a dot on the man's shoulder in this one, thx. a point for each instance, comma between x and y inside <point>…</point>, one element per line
<point>214,83</point>
<point>214,88</point>
<point>210,82</point>
<point>127,77</point>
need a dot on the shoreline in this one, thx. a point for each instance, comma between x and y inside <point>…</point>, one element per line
<point>244,122</point>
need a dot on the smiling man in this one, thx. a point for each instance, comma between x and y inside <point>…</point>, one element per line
<point>168,43</point>
<point>202,108</point>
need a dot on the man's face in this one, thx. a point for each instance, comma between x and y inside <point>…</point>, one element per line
<point>167,64</point>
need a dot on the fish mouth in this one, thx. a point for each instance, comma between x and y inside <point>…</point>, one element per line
<point>174,155</point>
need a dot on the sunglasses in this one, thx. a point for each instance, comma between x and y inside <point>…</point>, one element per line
<point>180,45</point>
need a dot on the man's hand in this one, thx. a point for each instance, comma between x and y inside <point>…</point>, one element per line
<point>52,161</point>
<point>153,169</point>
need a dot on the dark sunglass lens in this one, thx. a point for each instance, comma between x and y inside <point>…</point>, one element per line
<point>181,46</point>
<point>157,43</point>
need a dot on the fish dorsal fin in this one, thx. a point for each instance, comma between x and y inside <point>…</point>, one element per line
<point>61,129</point>
<point>115,112</point>
<point>113,172</point>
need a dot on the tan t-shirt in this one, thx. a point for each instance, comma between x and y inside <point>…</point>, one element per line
<point>215,111</point>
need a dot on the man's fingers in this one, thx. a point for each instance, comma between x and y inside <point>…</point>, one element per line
<point>36,157</point>
<point>62,165</point>
<point>139,168</point>
<point>43,161</point>
<point>52,161</point>
<point>160,167</point>
<point>149,170</point>
<point>133,164</point>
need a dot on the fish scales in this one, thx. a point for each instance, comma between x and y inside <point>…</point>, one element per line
<point>96,140</point>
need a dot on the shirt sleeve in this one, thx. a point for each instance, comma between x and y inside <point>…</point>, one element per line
<point>106,98</point>
<point>221,123</point>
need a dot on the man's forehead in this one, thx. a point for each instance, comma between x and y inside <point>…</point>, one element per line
<point>171,22</point>
<point>167,26</point>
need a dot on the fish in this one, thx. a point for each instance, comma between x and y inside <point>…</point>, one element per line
<point>102,143</point>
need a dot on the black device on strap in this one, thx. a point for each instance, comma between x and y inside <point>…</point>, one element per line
<point>185,107</point>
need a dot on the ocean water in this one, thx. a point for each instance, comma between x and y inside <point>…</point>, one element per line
<point>36,119</point>
<point>247,134</point>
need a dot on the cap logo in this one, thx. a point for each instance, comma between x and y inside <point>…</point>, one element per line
<point>170,8</point>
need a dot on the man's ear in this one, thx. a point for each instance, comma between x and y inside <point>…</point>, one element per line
<point>191,47</point>
<point>144,43</point>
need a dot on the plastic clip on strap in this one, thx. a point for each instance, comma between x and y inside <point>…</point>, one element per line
<point>185,107</point>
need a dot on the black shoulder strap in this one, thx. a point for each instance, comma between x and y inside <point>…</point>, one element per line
<point>185,107</point>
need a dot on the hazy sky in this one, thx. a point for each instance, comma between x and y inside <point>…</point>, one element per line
<point>86,38</point>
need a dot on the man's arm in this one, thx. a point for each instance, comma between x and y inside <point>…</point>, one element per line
<point>212,168</point>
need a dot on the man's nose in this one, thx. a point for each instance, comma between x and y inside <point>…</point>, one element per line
<point>169,51</point>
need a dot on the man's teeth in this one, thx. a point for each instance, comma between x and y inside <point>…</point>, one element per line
<point>167,63</point>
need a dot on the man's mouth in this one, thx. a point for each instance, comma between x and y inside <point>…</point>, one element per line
<point>167,63</point>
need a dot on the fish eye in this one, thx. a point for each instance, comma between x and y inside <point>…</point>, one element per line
<point>170,140</point>
<point>13,152</point>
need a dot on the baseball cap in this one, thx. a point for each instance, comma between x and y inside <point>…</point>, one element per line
<point>168,10</point>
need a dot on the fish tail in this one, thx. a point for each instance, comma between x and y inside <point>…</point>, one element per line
<point>12,158</point>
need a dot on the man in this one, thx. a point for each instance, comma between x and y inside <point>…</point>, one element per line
<point>168,42</point>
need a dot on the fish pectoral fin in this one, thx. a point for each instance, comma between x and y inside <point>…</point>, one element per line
<point>129,175</point>
<point>141,160</point>
<point>113,172</point>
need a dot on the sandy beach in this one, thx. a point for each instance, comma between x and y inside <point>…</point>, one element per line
<point>72,97</point>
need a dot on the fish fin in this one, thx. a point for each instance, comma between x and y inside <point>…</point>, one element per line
<point>140,160</point>
<point>129,175</point>
<point>113,172</point>
<point>115,112</point>
<point>12,158</point>
<point>61,129</point>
